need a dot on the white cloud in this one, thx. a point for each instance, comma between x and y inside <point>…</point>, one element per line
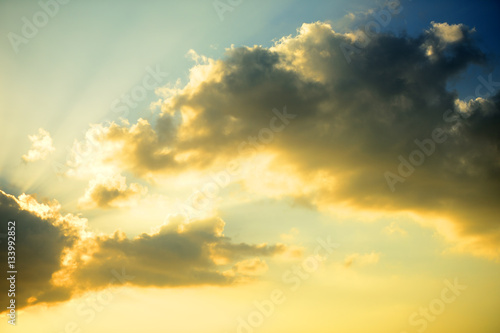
<point>41,146</point>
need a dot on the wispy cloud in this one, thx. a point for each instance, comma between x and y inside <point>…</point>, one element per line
<point>361,259</point>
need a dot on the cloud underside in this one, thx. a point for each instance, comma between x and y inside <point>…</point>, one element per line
<point>57,258</point>
<point>353,121</point>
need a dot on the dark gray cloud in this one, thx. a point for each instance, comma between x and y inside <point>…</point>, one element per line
<point>40,243</point>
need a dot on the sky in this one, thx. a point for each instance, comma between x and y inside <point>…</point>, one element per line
<point>249,166</point>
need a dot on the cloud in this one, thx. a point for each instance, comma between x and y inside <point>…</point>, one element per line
<point>394,228</point>
<point>58,258</point>
<point>442,35</point>
<point>448,33</point>
<point>43,238</point>
<point>351,123</point>
<point>361,259</point>
<point>107,192</point>
<point>251,267</point>
<point>41,146</point>
<point>291,235</point>
<point>179,253</point>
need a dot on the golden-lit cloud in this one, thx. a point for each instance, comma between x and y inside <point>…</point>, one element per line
<point>60,259</point>
<point>106,192</point>
<point>41,146</point>
<point>448,33</point>
<point>251,267</point>
<point>347,133</point>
